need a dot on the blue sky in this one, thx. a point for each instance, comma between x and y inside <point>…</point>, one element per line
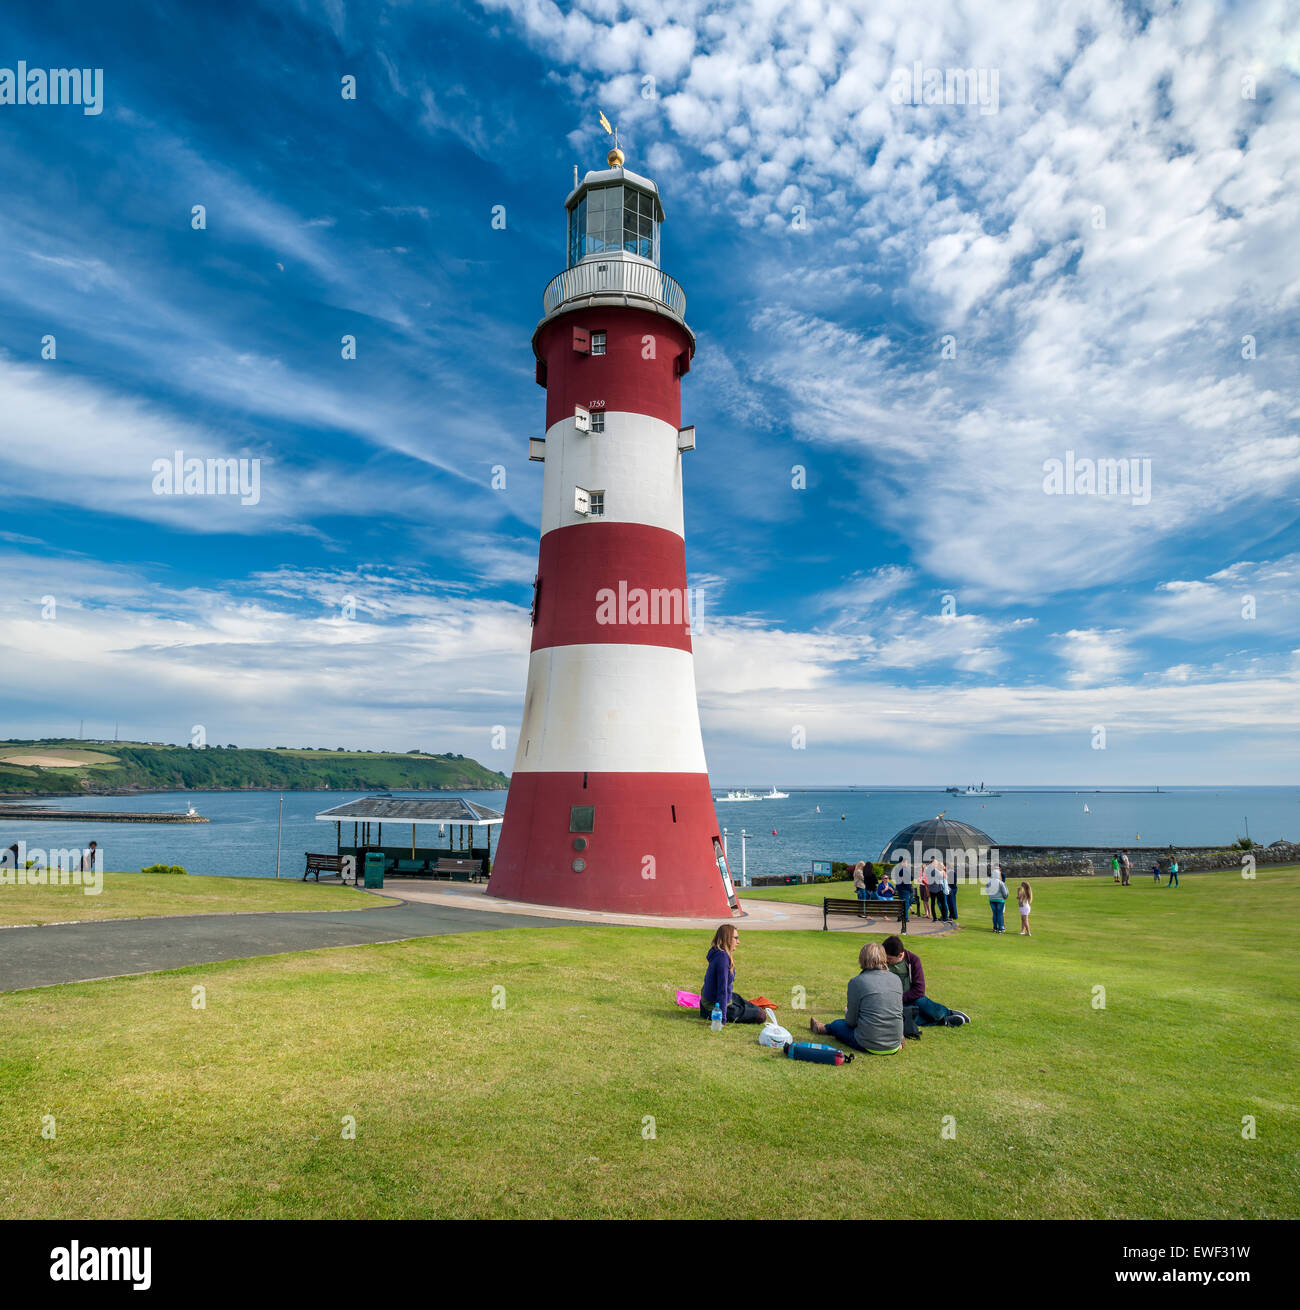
<point>1096,250</point>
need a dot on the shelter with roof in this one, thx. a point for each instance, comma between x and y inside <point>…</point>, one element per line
<point>444,830</point>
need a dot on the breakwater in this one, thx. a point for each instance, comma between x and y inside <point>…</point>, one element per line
<point>48,814</point>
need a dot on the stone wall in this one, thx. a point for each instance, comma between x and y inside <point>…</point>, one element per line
<point>1074,861</point>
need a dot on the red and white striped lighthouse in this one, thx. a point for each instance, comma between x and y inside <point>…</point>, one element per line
<point>610,806</point>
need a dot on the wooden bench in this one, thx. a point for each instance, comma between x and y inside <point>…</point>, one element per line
<point>868,909</point>
<point>319,864</point>
<point>459,870</point>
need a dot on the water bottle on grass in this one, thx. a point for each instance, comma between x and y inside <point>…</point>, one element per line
<point>715,1022</point>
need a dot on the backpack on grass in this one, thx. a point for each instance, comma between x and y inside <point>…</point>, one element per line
<point>817,1053</point>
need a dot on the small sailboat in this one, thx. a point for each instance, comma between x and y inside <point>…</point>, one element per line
<point>1086,810</point>
<point>819,809</point>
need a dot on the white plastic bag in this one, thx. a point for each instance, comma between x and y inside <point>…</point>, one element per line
<point>773,1034</point>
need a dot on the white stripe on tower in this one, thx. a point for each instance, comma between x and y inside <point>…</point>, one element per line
<point>624,729</point>
<point>635,461</point>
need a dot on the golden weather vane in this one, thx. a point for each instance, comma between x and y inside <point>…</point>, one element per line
<point>615,157</point>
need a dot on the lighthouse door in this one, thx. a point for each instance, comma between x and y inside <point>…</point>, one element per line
<point>720,858</point>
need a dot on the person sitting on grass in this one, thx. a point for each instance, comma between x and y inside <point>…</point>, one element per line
<point>873,1016</point>
<point>720,978</point>
<point>907,966</point>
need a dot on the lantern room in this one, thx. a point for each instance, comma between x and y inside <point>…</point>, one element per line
<point>614,211</point>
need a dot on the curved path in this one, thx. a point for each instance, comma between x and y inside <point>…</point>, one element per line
<point>45,954</point>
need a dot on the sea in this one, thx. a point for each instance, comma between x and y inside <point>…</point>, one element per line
<point>763,836</point>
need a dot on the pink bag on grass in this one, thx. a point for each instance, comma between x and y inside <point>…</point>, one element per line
<point>688,1000</point>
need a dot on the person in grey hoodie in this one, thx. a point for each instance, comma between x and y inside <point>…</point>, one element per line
<point>873,1017</point>
<point>996,890</point>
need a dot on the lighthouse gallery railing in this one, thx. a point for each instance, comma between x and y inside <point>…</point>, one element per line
<point>605,277</point>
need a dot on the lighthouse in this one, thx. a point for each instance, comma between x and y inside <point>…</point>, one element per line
<point>609,806</point>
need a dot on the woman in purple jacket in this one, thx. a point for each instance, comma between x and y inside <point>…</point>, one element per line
<point>720,978</point>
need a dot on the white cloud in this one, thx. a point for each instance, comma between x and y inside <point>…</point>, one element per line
<point>1097,248</point>
<point>1093,655</point>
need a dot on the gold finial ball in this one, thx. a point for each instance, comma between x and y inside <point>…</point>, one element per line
<point>615,158</point>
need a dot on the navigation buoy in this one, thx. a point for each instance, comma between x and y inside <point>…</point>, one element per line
<point>773,832</point>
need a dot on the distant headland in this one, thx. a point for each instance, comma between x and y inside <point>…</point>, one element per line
<point>74,767</point>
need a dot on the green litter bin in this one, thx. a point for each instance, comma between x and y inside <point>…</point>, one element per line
<point>374,868</point>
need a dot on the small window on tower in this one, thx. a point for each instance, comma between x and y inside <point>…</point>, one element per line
<point>582,818</point>
<point>598,420</point>
<point>597,509</point>
<point>597,343</point>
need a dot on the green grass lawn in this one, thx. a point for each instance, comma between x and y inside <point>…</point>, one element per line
<point>540,1108</point>
<point>137,895</point>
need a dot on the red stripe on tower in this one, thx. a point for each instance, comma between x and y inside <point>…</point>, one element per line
<point>612,582</point>
<point>610,806</point>
<point>637,372</point>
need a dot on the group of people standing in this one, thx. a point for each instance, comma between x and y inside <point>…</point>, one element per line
<point>933,891</point>
<point>996,890</point>
<point>886,1001</point>
<point>1121,868</point>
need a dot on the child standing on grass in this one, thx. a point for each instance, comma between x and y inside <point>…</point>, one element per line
<point>1025,895</point>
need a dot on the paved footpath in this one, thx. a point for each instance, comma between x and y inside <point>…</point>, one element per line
<point>108,948</point>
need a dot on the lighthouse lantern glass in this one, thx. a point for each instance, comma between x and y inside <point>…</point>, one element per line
<point>615,217</point>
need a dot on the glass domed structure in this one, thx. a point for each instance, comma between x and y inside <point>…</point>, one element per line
<point>940,836</point>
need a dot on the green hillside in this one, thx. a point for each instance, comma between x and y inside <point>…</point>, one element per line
<point>62,767</point>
